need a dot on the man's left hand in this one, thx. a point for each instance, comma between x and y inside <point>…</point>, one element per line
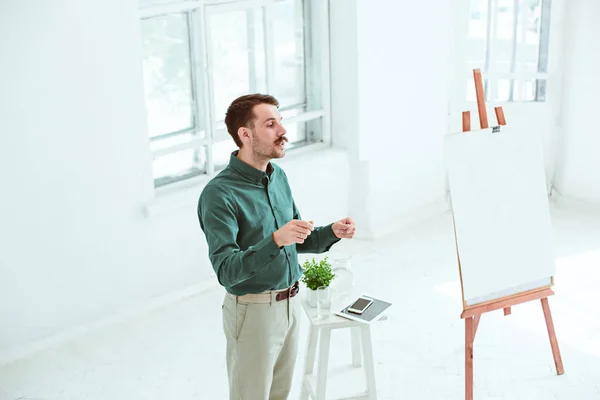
<point>344,228</point>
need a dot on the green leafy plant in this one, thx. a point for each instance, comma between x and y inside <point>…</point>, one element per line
<point>317,273</point>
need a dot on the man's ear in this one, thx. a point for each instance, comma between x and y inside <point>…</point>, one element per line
<point>244,134</point>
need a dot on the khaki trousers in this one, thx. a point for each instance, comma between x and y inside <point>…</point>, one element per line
<point>262,345</point>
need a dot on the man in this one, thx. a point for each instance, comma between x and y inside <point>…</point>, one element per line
<point>254,234</point>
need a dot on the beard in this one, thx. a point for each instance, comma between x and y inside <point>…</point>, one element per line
<point>269,150</point>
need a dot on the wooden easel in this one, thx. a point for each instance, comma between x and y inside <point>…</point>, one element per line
<point>472,314</point>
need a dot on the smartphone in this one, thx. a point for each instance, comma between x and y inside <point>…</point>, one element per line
<point>360,305</point>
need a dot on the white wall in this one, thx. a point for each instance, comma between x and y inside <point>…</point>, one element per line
<point>76,176</point>
<point>578,174</point>
<point>390,106</point>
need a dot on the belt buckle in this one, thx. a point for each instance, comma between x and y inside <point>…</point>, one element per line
<point>288,293</point>
<point>294,289</point>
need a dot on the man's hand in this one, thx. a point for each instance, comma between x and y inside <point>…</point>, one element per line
<point>344,228</point>
<point>294,231</point>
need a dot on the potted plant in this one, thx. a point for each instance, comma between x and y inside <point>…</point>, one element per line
<point>316,274</point>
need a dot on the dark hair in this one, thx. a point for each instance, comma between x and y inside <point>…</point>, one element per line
<point>240,113</point>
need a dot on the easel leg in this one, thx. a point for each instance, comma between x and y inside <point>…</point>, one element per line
<point>469,336</point>
<point>552,334</point>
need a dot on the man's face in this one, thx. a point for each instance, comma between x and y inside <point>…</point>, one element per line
<point>267,139</point>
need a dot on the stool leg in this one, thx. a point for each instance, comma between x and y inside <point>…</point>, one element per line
<point>369,363</point>
<point>323,363</point>
<point>356,356</point>
<point>309,364</point>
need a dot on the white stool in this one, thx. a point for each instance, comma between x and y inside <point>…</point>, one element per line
<point>321,329</point>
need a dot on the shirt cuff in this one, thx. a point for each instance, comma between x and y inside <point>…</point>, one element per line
<point>267,249</point>
<point>328,237</point>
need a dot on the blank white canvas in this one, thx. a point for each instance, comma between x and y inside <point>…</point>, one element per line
<point>501,212</point>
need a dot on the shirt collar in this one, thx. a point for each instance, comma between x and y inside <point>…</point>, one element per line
<point>248,171</point>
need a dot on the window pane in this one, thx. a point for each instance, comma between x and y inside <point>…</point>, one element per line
<point>478,14</point>
<point>530,90</point>
<point>478,17</point>
<point>222,151</point>
<point>166,65</point>
<point>503,34</point>
<point>288,37</point>
<point>530,16</point>
<point>178,166</point>
<point>528,42</point>
<point>176,139</point>
<point>503,90</point>
<point>296,132</point>
<point>505,20</point>
<point>237,56</point>
<point>306,132</point>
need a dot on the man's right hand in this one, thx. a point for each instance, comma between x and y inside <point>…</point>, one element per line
<point>295,231</point>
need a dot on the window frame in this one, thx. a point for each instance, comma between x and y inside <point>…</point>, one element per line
<point>317,80</point>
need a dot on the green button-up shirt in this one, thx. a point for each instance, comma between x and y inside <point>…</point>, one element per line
<point>238,211</point>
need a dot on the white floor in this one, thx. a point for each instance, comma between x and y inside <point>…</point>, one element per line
<point>178,352</point>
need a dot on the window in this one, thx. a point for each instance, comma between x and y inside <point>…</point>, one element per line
<point>508,41</point>
<point>200,55</point>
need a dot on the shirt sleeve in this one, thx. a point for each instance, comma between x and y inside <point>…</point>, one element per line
<point>319,241</point>
<point>218,220</point>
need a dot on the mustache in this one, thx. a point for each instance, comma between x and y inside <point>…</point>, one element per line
<point>282,140</point>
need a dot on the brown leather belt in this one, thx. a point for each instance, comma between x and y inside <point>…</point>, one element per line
<point>266,297</point>
<point>291,292</point>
